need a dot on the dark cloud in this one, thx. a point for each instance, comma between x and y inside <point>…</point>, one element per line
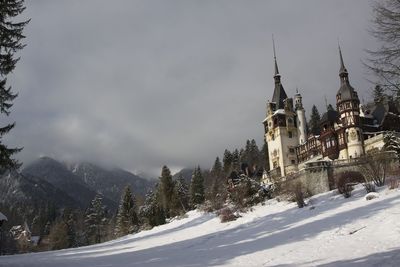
<point>145,83</point>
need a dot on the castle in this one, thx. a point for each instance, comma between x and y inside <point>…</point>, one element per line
<point>347,133</point>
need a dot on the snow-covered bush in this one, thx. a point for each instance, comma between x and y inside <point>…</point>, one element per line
<point>245,192</point>
<point>371,195</point>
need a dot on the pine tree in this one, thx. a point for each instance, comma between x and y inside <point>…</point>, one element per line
<point>217,186</point>
<point>254,155</point>
<point>182,193</point>
<point>217,170</point>
<point>227,160</point>
<point>151,211</point>
<point>95,220</point>
<point>197,187</point>
<point>315,121</point>
<point>264,159</point>
<point>127,219</point>
<point>10,43</point>
<point>166,191</point>
<point>58,237</point>
<point>330,107</point>
<point>378,94</point>
<point>236,160</point>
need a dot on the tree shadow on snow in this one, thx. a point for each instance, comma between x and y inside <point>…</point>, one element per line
<point>267,232</point>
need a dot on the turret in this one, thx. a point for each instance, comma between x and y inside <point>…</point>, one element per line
<point>347,102</point>
<point>300,118</point>
<point>280,129</point>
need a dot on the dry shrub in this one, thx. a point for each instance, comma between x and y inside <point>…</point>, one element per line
<point>294,191</point>
<point>227,214</point>
<point>299,194</point>
<point>393,183</point>
<point>346,180</point>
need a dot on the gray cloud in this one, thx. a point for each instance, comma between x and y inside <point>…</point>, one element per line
<point>144,83</point>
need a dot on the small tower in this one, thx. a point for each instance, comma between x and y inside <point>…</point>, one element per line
<point>300,118</point>
<point>350,135</point>
<point>281,132</point>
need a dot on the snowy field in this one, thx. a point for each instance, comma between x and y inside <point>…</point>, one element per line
<point>333,232</point>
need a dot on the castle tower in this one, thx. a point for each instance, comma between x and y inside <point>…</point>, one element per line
<point>281,133</point>
<point>300,118</point>
<point>347,102</point>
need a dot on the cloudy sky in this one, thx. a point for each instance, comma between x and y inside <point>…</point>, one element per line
<point>144,83</point>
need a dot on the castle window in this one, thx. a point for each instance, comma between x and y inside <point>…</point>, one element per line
<point>290,134</point>
<point>291,150</point>
<point>328,143</point>
<point>293,161</point>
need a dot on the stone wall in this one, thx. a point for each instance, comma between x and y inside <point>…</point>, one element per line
<point>319,177</point>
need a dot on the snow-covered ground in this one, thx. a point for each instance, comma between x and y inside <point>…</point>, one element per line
<point>331,231</point>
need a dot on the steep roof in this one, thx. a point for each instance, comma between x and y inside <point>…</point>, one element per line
<point>346,91</point>
<point>3,217</point>
<point>279,92</point>
<point>279,95</point>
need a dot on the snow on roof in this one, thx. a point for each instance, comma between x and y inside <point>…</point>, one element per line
<point>279,111</point>
<point>3,217</point>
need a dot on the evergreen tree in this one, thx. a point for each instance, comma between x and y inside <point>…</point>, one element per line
<point>217,170</point>
<point>235,160</point>
<point>315,119</point>
<point>378,94</point>
<point>58,237</point>
<point>197,187</point>
<point>151,211</point>
<point>264,158</point>
<point>227,160</point>
<point>95,220</point>
<point>330,107</point>
<point>254,155</point>
<point>10,42</point>
<point>182,193</point>
<point>127,219</point>
<point>215,195</point>
<point>69,219</point>
<point>166,191</point>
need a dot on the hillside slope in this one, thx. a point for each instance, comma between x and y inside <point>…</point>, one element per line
<point>335,232</point>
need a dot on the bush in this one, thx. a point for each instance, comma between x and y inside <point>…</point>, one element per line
<point>245,192</point>
<point>393,184</point>
<point>345,181</point>
<point>369,187</point>
<point>299,194</point>
<point>227,215</point>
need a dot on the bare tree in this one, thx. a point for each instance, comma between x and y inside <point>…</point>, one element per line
<point>385,61</point>
<point>376,166</point>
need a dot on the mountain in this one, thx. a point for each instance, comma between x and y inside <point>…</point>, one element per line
<point>186,173</point>
<point>22,190</point>
<point>59,176</point>
<point>110,182</point>
<point>22,197</point>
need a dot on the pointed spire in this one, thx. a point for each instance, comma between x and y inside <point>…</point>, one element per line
<point>279,93</point>
<point>342,67</point>
<point>276,63</point>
